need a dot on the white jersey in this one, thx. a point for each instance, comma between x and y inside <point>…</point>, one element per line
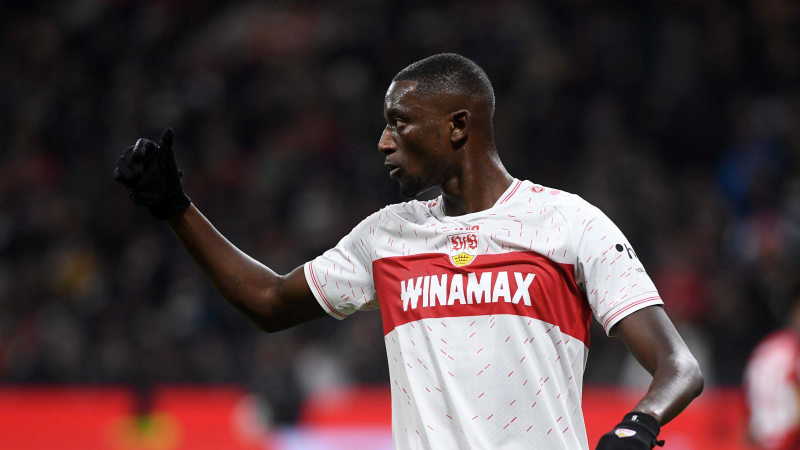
<point>486,315</point>
<point>772,386</point>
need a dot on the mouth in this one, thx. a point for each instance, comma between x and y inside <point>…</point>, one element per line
<point>394,169</point>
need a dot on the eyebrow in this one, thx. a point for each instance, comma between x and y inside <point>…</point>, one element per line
<point>395,111</point>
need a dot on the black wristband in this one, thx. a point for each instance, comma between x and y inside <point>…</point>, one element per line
<point>170,205</point>
<point>637,430</point>
<point>647,421</point>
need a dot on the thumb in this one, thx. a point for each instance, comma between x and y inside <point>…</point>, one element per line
<point>166,138</point>
<point>166,156</point>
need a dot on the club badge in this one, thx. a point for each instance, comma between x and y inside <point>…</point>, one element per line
<point>463,248</point>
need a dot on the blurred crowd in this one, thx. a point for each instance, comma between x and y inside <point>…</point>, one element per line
<point>681,120</point>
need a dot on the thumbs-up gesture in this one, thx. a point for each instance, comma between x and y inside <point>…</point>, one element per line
<point>150,173</point>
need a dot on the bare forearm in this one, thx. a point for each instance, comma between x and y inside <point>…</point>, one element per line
<point>243,281</point>
<point>272,301</point>
<point>676,382</point>
<point>656,344</point>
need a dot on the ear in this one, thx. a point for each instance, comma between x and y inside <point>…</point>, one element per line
<point>459,127</point>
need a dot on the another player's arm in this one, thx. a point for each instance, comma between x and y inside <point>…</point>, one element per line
<point>274,302</point>
<point>656,344</point>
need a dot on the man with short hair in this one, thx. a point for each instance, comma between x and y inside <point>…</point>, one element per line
<point>486,292</point>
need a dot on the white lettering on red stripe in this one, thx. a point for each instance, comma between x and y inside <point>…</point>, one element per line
<point>478,289</point>
<point>434,289</point>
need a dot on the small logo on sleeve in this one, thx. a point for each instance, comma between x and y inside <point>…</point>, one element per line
<point>631,253</point>
<point>624,432</point>
<point>463,248</point>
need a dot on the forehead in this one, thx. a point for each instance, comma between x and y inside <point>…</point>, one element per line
<point>406,96</point>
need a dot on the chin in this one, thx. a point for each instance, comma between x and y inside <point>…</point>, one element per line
<point>410,189</point>
<point>408,193</point>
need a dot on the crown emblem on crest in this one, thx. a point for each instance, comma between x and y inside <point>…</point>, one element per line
<point>463,248</point>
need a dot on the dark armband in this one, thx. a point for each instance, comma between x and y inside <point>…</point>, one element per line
<point>637,431</point>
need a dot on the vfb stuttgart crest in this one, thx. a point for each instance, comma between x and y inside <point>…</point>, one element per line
<point>463,248</point>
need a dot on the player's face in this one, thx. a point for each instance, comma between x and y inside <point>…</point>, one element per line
<point>415,140</point>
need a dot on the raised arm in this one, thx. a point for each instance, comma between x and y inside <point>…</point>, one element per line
<point>274,302</point>
<point>677,380</point>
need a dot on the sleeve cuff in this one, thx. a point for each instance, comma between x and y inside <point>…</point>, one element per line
<point>316,289</point>
<point>629,308</point>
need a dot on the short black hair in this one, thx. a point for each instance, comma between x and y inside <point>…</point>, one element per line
<point>450,73</point>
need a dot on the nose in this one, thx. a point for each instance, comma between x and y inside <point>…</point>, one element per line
<point>386,144</point>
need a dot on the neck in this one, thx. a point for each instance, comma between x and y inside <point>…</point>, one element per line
<point>477,187</point>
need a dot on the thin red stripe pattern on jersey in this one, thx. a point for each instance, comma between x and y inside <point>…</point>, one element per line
<point>511,194</point>
<point>552,294</point>
<point>629,306</point>
<point>319,290</point>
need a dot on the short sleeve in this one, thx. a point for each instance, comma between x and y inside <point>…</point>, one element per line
<point>341,278</point>
<point>614,279</point>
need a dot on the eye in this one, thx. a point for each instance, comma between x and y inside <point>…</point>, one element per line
<point>395,121</point>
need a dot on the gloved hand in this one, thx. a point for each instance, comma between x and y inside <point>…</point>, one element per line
<point>637,431</point>
<point>150,173</point>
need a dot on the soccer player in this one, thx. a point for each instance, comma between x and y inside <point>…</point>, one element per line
<point>486,293</point>
<point>772,386</point>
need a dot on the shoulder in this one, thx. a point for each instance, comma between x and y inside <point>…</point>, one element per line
<point>582,221</point>
<point>572,206</point>
<point>777,353</point>
<point>408,209</point>
<point>414,211</point>
<point>394,215</point>
<point>781,342</point>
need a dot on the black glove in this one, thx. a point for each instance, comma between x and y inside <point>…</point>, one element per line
<point>151,175</point>
<point>637,431</point>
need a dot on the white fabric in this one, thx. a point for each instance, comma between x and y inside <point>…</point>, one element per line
<point>467,373</point>
<point>771,387</point>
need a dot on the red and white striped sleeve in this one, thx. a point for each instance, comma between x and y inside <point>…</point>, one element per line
<point>341,278</point>
<point>614,279</point>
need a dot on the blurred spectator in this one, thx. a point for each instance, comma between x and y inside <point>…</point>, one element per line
<point>772,384</point>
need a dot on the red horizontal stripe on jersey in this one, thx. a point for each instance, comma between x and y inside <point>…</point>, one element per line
<point>555,297</point>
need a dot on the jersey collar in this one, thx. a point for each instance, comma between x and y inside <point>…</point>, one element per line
<point>436,206</point>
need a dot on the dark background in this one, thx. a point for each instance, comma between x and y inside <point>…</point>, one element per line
<point>680,119</point>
